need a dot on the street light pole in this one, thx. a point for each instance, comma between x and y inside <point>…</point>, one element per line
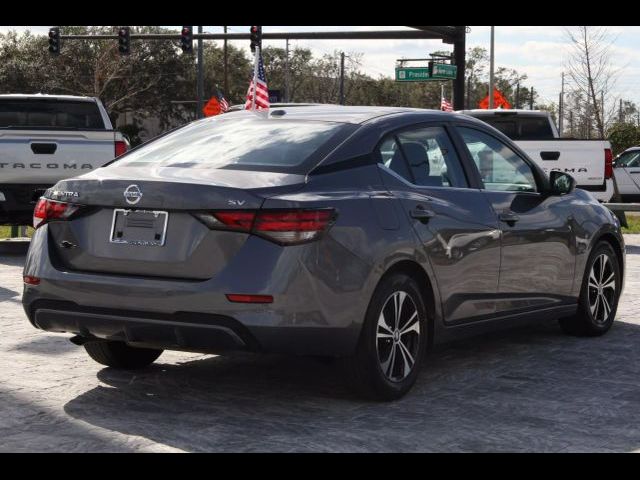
<point>491,69</point>
<point>342,78</point>
<point>226,66</point>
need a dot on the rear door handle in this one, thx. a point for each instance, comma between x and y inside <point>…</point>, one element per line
<point>550,155</point>
<point>422,214</point>
<point>509,217</point>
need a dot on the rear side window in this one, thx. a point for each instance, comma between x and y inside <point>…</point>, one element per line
<point>424,157</point>
<point>521,127</point>
<point>36,113</point>
<point>247,143</point>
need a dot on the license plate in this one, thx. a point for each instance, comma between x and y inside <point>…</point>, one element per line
<point>145,228</point>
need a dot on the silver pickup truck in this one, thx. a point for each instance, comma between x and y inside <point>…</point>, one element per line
<point>590,162</point>
<point>47,138</point>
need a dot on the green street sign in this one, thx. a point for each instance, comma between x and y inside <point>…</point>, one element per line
<point>443,71</point>
<point>412,74</point>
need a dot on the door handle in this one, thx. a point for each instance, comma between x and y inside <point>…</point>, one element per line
<point>422,214</point>
<point>509,217</point>
<point>550,155</point>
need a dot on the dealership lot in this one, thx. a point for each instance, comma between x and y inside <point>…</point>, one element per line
<point>533,389</point>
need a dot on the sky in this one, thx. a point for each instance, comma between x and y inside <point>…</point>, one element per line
<point>541,52</point>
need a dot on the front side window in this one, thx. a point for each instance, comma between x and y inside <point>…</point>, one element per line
<point>629,159</point>
<point>500,167</point>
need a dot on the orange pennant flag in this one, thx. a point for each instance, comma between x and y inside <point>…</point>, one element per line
<point>499,101</point>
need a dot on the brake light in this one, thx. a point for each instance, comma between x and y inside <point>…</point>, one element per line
<point>286,227</point>
<point>608,163</point>
<point>47,210</point>
<point>29,280</point>
<point>120,148</point>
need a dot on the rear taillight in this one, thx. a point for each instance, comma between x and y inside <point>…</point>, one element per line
<point>287,227</point>
<point>121,148</point>
<point>47,210</point>
<point>608,164</point>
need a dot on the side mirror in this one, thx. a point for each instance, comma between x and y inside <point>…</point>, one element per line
<point>561,183</point>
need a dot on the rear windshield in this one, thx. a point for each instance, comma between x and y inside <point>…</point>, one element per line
<point>244,142</point>
<point>36,113</point>
<point>521,128</point>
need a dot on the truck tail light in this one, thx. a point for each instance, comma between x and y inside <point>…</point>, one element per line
<point>120,148</point>
<point>608,164</point>
<point>285,227</point>
<point>47,210</point>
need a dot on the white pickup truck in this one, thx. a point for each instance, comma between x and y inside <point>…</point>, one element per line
<point>590,162</point>
<point>47,138</point>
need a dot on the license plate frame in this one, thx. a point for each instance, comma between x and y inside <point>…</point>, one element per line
<point>120,237</point>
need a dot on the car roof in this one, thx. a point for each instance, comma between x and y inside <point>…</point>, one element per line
<point>344,114</point>
<point>42,96</point>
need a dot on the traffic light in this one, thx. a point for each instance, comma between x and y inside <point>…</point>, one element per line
<point>124,40</point>
<point>54,41</point>
<point>256,37</point>
<point>186,39</point>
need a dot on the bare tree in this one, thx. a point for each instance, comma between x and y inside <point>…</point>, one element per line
<point>592,73</point>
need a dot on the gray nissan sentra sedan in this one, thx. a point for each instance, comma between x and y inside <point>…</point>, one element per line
<point>363,233</point>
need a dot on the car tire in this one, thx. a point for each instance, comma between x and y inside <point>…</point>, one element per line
<point>391,347</point>
<point>599,295</point>
<point>120,355</point>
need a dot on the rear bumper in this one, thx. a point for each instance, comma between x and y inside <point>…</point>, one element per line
<point>17,202</point>
<point>309,315</point>
<point>603,193</point>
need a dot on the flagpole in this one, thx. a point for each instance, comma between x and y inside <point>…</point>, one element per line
<point>441,95</point>
<point>255,78</point>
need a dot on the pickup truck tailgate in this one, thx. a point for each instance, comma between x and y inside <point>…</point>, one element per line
<point>582,159</point>
<point>45,156</point>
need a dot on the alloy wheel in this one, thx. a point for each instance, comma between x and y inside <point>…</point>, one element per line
<point>602,288</point>
<point>398,336</point>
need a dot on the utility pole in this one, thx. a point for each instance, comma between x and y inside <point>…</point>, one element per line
<point>531,100</point>
<point>467,103</point>
<point>561,108</point>
<point>286,73</point>
<point>491,68</point>
<point>200,113</point>
<point>459,54</point>
<point>571,123</point>
<point>342,78</point>
<point>517,95</point>
<point>226,66</point>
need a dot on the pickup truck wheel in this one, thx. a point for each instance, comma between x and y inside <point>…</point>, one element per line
<point>120,355</point>
<point>599,295</point>
<point>393,341</point>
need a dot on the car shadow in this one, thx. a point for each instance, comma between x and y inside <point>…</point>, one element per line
<point>45,345</point>
<point>531,389</point>
<point>632,249</point>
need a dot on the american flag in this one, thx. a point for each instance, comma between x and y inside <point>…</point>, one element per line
<point>445,106</point>
<point>224,105</point>
<point>262,92</point>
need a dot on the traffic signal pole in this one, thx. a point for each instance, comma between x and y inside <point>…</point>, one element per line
<point>200,75</point>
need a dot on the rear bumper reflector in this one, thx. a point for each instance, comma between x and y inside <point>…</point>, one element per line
<point>241,298</point>
<point>29,280</point>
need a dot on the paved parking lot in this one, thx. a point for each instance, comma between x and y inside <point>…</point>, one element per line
<point>528,390</point>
